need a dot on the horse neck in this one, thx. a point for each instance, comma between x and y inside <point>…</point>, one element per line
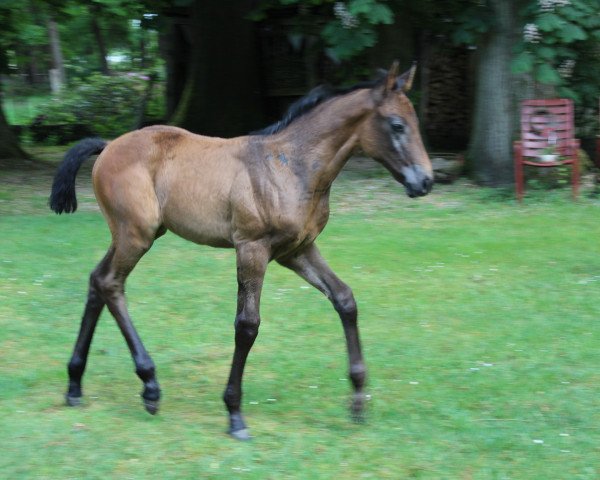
<point>323,140</point>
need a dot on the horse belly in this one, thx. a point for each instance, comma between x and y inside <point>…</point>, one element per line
<point>214,234</point>
<point>197,211</point>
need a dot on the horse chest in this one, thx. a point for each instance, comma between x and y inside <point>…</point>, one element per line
<point>299,226</point>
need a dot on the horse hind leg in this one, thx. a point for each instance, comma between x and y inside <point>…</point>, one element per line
<point>129,247</point>
<point>133,215</point>
<point>128,201</point>
<point>107,287</point>
<point>93,308</point>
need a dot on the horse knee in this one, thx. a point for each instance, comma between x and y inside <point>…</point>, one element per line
<point>344,303</point>
<point>105,285</point>
<point>246,328</point>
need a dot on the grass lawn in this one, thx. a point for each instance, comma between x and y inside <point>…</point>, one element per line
<point>479,322</point>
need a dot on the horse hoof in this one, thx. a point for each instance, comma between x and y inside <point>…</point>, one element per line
<point>73,401</point>
<point>357,408</point>
<point>243,435</point>
<point>151,406</point>
<point>358,417</point>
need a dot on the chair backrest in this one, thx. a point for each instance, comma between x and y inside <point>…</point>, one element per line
<point>546,123</point>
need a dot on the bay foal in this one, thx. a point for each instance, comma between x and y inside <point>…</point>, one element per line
<point>266,195</point>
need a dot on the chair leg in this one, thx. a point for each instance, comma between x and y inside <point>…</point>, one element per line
<point>519,181</point>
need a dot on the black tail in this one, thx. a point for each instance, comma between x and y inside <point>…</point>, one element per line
<point>62,198</point>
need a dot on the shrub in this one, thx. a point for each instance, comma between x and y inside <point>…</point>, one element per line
<point>108,106</point>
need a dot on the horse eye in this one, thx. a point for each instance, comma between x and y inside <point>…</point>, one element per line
<point>397,127</point>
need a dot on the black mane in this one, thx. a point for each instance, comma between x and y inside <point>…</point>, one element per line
<point>311,100</point>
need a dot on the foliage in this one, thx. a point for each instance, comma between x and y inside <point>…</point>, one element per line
<point>126,25</point>
<point>475,369</point>
<point>557,36</point>
<point>557,45</point>
<point>22,110</point>
<point>107,105</point>
<point>354,27</point>
<point>347,28</point>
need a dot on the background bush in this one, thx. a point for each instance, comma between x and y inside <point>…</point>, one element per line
<point>108,106</point>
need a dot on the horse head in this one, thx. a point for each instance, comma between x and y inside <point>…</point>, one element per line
<point>391,134</point>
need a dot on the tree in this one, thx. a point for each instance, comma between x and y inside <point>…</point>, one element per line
<point>57,56</point>
<point>222,94</point>
<point>95,10</point>
<point>9,145</point>
<point>490,149</point>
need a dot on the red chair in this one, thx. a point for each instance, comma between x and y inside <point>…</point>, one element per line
<point>546,129</point>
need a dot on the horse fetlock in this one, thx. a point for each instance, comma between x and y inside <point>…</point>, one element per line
<point>151,391</point>
<point>358,370</point>
<point>146,371</point>
<point>75,367</point>
<point>232,398</point>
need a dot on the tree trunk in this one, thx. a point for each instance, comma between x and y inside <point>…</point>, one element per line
<point>102,53</point>
<point>32,68</point>
<point>425,50</point>
<point>490,151</point>
<point>34,64</point>
<point>222,96</point>
<point>142,44</point>
<point>175,47</point>
<point>57,57</point>
<point>141,115</point>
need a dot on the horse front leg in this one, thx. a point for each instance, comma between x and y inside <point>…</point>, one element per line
<point>252,260</point>
<point>313,268</point>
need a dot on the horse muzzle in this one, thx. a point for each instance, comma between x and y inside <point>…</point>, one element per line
<point>416,181</point>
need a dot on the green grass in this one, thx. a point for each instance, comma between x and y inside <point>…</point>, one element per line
<point>479,325</point>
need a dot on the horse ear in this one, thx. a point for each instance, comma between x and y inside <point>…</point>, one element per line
<point>388,84</point>
<point>405,81</point>
<point>392,74</point>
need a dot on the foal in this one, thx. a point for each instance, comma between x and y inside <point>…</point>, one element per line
<point>266,195</point>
